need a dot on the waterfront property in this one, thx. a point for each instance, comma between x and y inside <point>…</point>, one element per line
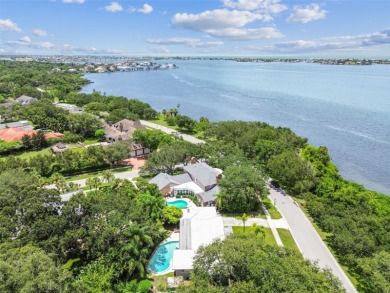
<point>122,130</point>
<point>200,180</point>
<point>198,226</point>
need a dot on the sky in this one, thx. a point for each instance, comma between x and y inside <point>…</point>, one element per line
<point>205,27</point>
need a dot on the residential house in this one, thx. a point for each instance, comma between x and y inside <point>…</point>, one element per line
<point>198,226</point>
<point>59,148</point>
<point>25,100</point>
<point>138,150</point>
<point>72,109</point>
<point>122,130</point>
<point>200,180</point>
<point>166,182</point>
<point>15,134</point>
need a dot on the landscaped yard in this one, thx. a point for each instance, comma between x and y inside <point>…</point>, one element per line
<point>31,154</point>
<point>257,214</point>
<point>287,239</point>
<point>268,236</point>
<point>162,122</point>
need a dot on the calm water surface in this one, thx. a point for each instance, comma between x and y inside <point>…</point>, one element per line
<point>346,108</point>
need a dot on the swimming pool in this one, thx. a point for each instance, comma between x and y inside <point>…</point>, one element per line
<point>162,257</point>
<point>181,204</point>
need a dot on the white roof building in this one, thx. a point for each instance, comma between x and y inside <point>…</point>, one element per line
<point>199,226</point>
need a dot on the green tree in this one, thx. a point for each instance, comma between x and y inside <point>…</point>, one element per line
<point>242,188</point>
<point>107,175</point>
<point>116,152</point>
<point>185,122</point>
<point>290,170</point>
<point>172,215</point>
<point>29,269</point>
<point>242,263</point>
<point>243,218</point>
<point>94,278</point>
<point>84,124</point>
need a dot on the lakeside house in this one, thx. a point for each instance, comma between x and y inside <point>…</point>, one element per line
<point>200,180</point>
<point>198,226</point>
<point>122,130</point>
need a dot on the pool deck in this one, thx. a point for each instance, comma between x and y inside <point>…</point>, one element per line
<point>175,236</point>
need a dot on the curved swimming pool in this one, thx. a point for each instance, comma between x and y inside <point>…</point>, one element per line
<point>162,257</point>
<point>181,204</point>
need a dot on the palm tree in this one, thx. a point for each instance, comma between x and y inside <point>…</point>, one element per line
<point>243,218</point>
<point>219,197</point>
<point>95,182</point>
<point>107,175</point>
<point>89,182</point>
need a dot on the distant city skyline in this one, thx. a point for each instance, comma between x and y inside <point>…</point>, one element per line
<point>184,27</point>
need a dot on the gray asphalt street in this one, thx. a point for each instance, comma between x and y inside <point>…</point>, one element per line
<point>186,137</point>
<point>307,238</point>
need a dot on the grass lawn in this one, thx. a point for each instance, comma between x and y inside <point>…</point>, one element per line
<point>273,212</point>
<point>162,122</point>
<point>287,239</point>
<point>90,141</point>
<point>269,237</point>
<point>257,214</point>
<point>31,154</point>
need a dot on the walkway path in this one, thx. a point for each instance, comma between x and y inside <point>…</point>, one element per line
<point>307,238</point>
<point>186,137</point>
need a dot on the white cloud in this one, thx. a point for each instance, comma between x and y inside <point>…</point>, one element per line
<point>25,39</point>
<point>191,42</point>
<point>160,49</point>
<point>247,34</point>
<point>146,9</point>
<point>113,7</point>
<point>306,14</point>
<point>303,46</point>
<point>223,23</point>
<point>7,24</point>
<point>74,1</point>
<point>41,33</point>
<point>61,48</point>
<point>173,41</point>
<point>267,6</point>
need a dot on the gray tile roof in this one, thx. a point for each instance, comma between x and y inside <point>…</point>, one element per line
<point>182,178</point>
<point>162,180</point>
<point>210,195</point>
<point>205,174</point>
<point>26,100</point>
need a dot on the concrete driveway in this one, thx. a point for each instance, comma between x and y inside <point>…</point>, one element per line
<point>307,238</point>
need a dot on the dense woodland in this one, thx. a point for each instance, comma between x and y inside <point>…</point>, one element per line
<point>101,242</point>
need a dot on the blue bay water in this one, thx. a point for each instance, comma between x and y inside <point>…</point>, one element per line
<point>346,108</point>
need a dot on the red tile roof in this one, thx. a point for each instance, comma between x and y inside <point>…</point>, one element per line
<point>14,134</point>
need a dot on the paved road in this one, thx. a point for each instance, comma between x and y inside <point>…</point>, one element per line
<point>307,238</point>
<point>186,137</point>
